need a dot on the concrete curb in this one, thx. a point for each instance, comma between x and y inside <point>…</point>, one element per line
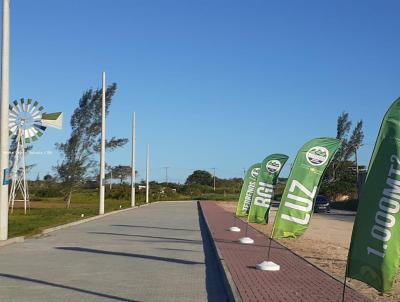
<point>12,241</point>
<point>230,286</point>
<point>67,225</point>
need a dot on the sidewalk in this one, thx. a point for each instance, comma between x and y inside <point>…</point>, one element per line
<point>153,253</point>
<point>297,280</point>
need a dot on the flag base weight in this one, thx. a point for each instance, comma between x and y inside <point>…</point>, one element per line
<point>268,266</point>
<point>234,229</point>
<point>246,240</point>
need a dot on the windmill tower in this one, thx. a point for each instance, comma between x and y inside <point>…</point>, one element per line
<point>27,122</point>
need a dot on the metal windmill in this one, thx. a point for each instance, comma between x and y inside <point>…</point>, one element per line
<point>27,122</point>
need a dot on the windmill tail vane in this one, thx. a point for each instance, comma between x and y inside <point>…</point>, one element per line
<point>27,123</point>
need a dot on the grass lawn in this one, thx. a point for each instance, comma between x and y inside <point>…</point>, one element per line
<point>49,212</point>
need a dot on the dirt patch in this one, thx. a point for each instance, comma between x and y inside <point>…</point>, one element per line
<point>326,244</point>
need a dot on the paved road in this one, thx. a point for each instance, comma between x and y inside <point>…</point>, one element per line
<point>154,253</point>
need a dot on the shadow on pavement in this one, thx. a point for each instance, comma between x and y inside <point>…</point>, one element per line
<point>141,256</point>
<point>85,291</point>
<point>145,236</point>
<point>149,227</point>
<point>164,241</point>
<point>214,283</point>
<point>178,250</point>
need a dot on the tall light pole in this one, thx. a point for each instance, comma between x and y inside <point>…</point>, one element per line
<point>5,75</point>
<point>166,175</point>
<point>103,145</point>
<point>111,178</point>
<point>214,177</point>
<point>147,173</point>
<point>133,160</point>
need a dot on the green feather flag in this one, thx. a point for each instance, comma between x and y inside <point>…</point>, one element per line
<point>374,254</point>
<point>265,186</point>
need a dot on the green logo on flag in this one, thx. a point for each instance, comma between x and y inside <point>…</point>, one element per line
<point>317,156</point>
<point>273,166</point>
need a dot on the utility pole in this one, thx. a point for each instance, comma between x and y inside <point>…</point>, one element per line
<point>147,174</point>
<point>4,149</point>
<point>133,161</point>
<point>166,174</point>
<point>103,145</point>
<point>111,178</point>
<point>214,177</point>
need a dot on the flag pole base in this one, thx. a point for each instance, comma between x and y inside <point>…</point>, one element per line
<point>246,240</point>
<point>268,266</point>
<point>234,229</point>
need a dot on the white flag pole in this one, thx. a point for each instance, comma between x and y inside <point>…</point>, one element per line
<point>5,73</point>
<point>147,174</point>
<point>133,162</point>
<point>103,145</point>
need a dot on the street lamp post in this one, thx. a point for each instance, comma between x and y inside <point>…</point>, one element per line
<point>103,145</point>
<point>133,161</point>
<point>214,178</point>
<point>147,174</point>
<point>4,149</point>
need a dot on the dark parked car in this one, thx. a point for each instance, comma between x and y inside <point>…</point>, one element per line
<point>322,204</point>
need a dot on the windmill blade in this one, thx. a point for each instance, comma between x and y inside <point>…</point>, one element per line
<point>24,105</point>
<point>34,107</point>
<point>12,124</point>
<point>39,127</point>
<point>16,107</point>
<point>53,120</point>
<point>30,132</point>
<point>13,129</point>
<point>13,114</point>
<point>20,105</point>
<point>29,105</point>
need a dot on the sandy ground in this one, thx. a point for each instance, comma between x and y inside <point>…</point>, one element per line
<point>325,244</point>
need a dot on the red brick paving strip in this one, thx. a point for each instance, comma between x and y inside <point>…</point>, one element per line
<point>297,280</point>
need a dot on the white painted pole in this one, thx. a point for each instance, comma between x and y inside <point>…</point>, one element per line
<point>214,177</point>
<point>111,179</point>
<point>4,149</point>
<point>103,145</point>
<point>147,174</point>
<point>133,162</point>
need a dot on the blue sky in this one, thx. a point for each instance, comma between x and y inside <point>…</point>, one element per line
<point>214,83</point>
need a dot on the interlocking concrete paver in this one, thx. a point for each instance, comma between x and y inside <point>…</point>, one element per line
<point>153,253</point>
<point>297,280</point>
